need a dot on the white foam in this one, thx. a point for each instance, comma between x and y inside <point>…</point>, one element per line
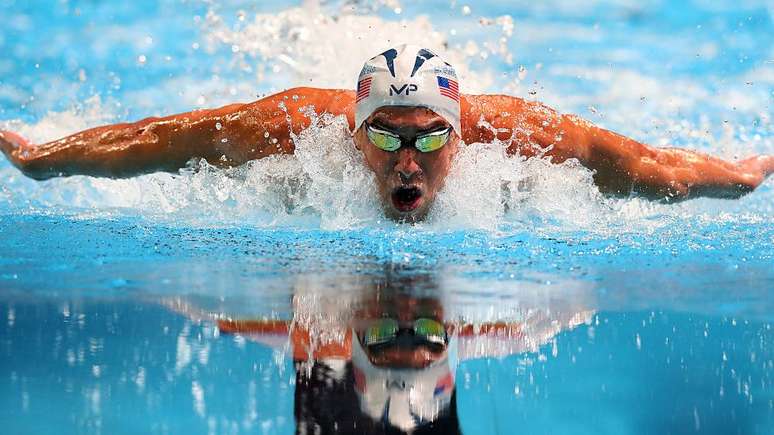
<point>310,46</point>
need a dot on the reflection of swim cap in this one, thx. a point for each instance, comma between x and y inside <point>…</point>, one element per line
<point>406,398</point>
<point>408,75</point>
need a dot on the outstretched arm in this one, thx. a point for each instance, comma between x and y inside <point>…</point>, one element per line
<point>621,165</point>
<point>230,135</point>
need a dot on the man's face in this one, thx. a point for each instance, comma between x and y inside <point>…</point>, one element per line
<point>408,179</point>
<point>405,309</point>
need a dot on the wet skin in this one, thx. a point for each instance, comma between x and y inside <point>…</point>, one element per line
<point>405,352</point>
<point>238,133</point>
<point>408,179</point>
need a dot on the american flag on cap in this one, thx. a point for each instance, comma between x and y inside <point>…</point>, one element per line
<point>449,88</point>
<point>363,88</point>
<point>444,385</point>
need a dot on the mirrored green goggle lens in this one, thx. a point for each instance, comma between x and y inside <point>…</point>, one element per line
<point>381,331</point>
<point>385,330</point>
<point>431,330</point>
<point>383,141</point>
<point>432,141</point>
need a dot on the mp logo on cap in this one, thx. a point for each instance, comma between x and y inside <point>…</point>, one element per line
<point>408,88</point>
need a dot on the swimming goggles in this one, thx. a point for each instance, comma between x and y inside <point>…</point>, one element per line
<point>389,141</point>
<point>386,331</point>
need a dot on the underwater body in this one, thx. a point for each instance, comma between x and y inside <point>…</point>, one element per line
<point>626,316</point>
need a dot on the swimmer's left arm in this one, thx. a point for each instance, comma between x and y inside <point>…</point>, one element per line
<point>621,165</point>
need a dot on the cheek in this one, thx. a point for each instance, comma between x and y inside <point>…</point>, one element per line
<point>440,166</point>
<point>377,162</point>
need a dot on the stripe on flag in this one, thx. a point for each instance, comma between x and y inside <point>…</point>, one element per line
<point>444,384</point>
<point>363,89</point>
<point>448,88</point>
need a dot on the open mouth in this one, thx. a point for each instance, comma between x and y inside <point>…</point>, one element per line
<point>406,198</point>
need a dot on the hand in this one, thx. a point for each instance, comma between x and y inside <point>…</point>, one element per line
<point>758,166</point>
<point>752,171</point>
<point>15,148</point>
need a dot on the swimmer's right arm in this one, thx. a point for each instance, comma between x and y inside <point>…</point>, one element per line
<point>228,136</point>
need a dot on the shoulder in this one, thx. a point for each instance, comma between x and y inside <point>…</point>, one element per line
<point>496,103</point>
<point>320,97</point>
<point>299,99</point>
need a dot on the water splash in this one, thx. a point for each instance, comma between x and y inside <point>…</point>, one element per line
<point>324,46</point>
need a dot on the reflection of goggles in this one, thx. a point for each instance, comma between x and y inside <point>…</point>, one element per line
<point>386,331</point>
<point>389,141</point>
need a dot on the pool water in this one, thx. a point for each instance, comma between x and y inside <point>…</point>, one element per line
<point>632,316</point>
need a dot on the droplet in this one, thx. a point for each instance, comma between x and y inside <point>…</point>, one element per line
<point>266,134</point>
<point>466,10</point>
<point>142,59</point>
<point>224,140</point>
<point>218,125</point>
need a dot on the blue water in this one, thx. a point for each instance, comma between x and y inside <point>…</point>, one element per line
<point>109,288</point>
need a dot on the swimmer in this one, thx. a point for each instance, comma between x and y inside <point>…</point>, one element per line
<point>409,120</point>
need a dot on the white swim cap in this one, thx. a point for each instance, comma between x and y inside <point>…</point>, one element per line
<point>408,75</point>
<point>406,398</point>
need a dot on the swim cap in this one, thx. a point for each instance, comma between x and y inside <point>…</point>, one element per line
<point>408,75</point>
<point>406,398</point>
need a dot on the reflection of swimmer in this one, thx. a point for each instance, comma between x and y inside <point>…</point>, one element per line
<point>408,118</point>
<point>391,367</point>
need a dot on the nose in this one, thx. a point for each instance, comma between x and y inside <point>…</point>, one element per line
<point>406,166</point>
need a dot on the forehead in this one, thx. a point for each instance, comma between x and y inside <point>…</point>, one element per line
<point>402,116</point>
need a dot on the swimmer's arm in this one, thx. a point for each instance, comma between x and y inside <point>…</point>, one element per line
<point>227,136</point>
<point>621,165</point>
<point>301,341</point>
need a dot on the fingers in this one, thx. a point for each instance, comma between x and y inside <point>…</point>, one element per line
<point>10,142</point>
<point>17,150</point>
<point>768,165</point>
<point>763,165</point>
